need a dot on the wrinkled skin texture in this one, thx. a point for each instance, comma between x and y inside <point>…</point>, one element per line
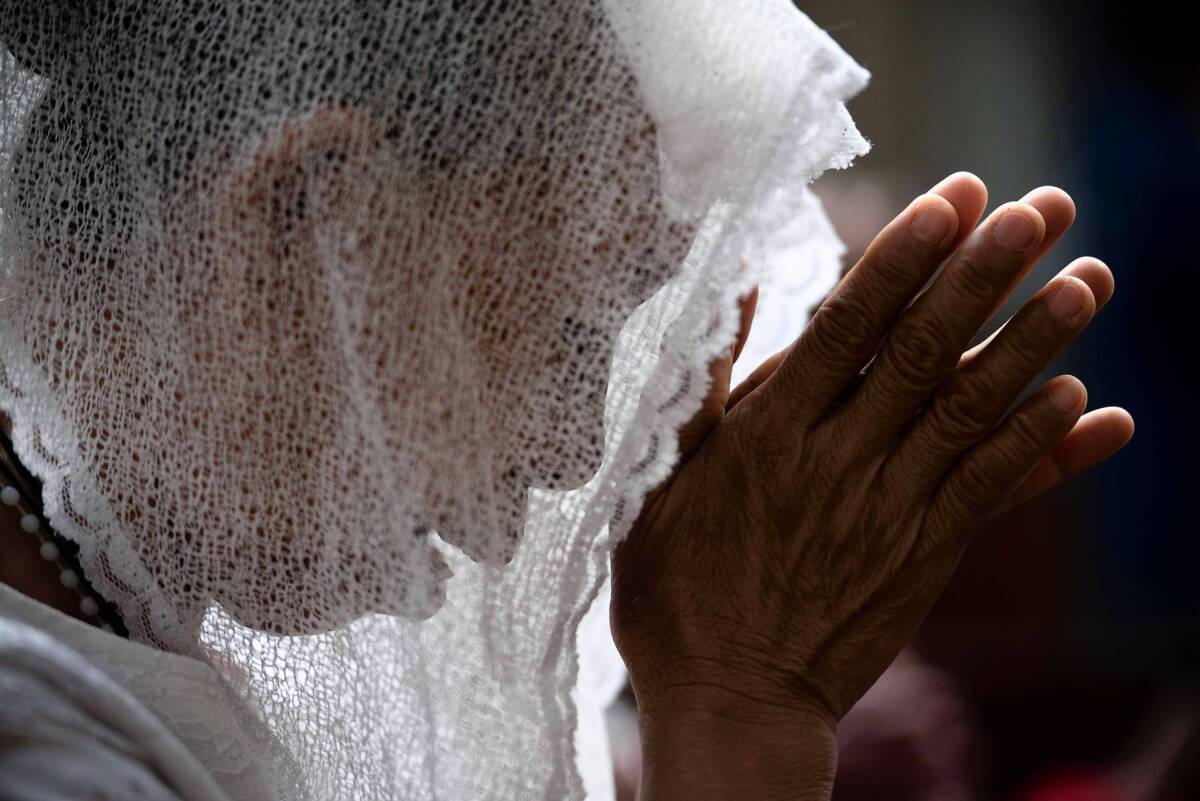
<point>820,508</point>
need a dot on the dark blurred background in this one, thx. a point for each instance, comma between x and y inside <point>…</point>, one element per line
<point>1063,662</point>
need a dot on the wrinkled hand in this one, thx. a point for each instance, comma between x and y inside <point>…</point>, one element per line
<point>819,509</point>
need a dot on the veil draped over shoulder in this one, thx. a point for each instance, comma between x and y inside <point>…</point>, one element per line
<point>346,339</point>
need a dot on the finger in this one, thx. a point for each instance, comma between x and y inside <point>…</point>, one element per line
<point>965,192</point>
<point>746,309</point>
<point>968,195</point>
<point>755,379</point>
<point>979,485</point>
<point>1058,210</point>
<point>1096,437</point>
<point>845,330</point>
<point>720,370</point>
<point>1088,269</point>
<point>967,407</point>
<point>1096,275</point>
<point>924,347</point>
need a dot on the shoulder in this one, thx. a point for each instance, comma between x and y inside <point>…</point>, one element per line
<point>68,731</point>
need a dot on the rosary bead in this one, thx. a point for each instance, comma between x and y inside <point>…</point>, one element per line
<point>48,549</point>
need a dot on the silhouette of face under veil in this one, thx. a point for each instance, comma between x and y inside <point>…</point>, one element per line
<point>379,300</point>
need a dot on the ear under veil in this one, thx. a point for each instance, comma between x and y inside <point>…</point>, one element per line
<point>347,338</point>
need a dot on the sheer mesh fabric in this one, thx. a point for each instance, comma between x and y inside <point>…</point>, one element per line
<point>347,338</point>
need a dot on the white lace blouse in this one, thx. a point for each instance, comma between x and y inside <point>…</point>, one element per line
<point>79,719</point>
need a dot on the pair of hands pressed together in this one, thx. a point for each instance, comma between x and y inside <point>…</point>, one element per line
<point>819,508</point>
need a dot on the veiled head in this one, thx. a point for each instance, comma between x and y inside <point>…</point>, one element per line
<point>336,286</point>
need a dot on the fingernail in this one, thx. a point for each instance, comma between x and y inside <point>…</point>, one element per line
<point>1015,231</point>
<point>1066,300</point>
<point>932,223</point>
<point>1065,395</point>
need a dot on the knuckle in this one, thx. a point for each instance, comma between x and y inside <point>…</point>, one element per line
<point>1023,349</point>
<point>893,262</point>
<point>978,280</point>
<point>840,330</point>
<point>959,416</point>
<point>917,352</point>
<point>983,480</point>
<point>976,490</point>
<point>1026,438</point>
<point>1031,337</point>
<point>1007,454</point>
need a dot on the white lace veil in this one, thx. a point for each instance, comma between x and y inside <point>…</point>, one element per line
<point>346,338</point>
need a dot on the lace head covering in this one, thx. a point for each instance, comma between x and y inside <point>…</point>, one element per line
<point>347,337</point>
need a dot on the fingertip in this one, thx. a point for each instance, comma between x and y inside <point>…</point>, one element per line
<point>1012,232</point>
<point>1076,305</point>
<point>1120,421</point>
<point>967,193</point>
<point>1068,394</point>
<point>1097,275</point>
<point>962,181</point>
<point>934,219</point>
<point>1097,436</point>
<point>1050,191</point>
<point>1023,207</point>
<point>1055,206</point>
